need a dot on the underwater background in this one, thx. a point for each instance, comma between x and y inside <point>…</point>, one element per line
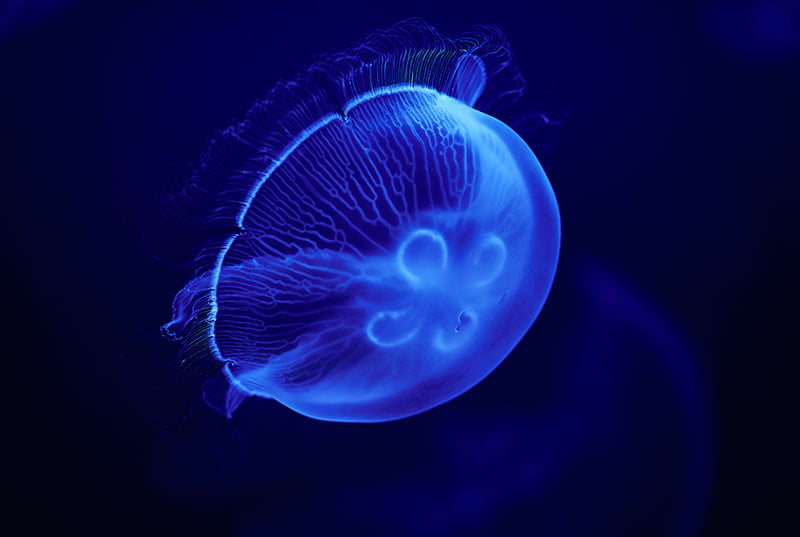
<point>654,396</point>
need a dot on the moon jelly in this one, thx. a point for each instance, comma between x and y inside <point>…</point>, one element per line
<point>382,243</point>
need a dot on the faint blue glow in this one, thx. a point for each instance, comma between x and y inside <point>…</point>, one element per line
<point>17,16</point>
<point>756,30</point>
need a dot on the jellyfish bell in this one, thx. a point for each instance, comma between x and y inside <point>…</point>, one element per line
<point>383,242</point>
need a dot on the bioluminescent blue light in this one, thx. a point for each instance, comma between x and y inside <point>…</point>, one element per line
<point>382,243</point>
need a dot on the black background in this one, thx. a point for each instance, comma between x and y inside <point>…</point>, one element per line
<point>675,162</point>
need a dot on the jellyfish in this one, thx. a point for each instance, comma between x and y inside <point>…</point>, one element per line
<point>380,243</point>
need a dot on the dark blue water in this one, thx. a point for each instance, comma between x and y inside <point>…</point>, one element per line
<point>655,394</point>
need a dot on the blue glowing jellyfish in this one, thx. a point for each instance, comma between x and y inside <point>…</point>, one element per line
<point>381,244</point>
